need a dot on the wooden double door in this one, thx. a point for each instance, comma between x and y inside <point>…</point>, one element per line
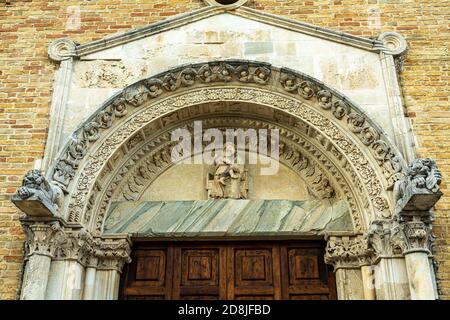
<point>228,270</point>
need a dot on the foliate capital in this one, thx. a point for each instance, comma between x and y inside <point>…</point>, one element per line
<point>413,236</point>
<point>348,252</point>
<point>112,253</point>
<point>390,238</point>
<point>43,238</point>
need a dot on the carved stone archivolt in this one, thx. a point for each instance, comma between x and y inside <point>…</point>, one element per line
<point>148,159</point>
<point>337,122</point>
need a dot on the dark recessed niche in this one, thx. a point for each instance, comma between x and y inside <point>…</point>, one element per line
<point>225,2</point>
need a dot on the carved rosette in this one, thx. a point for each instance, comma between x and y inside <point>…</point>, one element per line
<point>43,238</point>
<point>348,252</point>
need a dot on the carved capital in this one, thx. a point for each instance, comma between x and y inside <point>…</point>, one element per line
<point>389,238</point>
<point>413,236</point>
<point>38,197</point>
<point>348,252</point>
<point>380,239</point>
<point>112,253</point>
<point>43,238</point>
<point>418,191</point>
<point>77,245</point>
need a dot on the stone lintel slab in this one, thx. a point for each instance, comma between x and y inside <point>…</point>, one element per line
<point>233,218</point>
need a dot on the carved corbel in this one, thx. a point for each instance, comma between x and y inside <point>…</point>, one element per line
<point>38,197</point>
<point>43,238</point>
<point>418,191</point>
<point>348,252</point>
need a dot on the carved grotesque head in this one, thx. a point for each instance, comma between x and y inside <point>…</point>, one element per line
<point>420,167</point>
<point>33,179</point>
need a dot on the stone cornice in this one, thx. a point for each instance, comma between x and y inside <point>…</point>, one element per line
<point>62,49</point>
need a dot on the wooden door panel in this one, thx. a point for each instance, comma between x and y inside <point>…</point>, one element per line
<point>200,272</point>
<point>253,272</point>
<point>233,270</point>
<point>304,273</point>
<point>149,276</point>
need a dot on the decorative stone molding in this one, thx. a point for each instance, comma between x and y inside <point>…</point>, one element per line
<point>395,45</point>
<point>419,190</point>
<point>348,251</point>
<point>38,197</point>
<point>62,49</point>
<point>43,238</point>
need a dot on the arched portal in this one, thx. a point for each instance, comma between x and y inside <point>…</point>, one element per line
<point>326,117</point>
<point>344,161</point>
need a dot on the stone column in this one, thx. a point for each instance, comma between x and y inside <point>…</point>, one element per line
<point>68,267</point>
<point>41,243</point>
<point>89,279</point>
<point>346,254</point>
<point>414,239</point>
<point>112,253</point>
<point>391,281</point>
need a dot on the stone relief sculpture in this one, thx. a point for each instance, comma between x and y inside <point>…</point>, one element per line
<point>420,183</point>
<point>47,196</point>
<point>227,179</point>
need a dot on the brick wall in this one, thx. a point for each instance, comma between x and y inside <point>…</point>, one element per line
<point>27,27</point>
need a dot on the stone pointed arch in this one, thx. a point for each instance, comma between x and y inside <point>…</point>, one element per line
<point>359,145</point>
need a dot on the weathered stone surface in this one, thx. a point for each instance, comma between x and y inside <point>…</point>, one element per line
<point>419,190</point>
<point>227,217</point>
<point>38,197</point>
